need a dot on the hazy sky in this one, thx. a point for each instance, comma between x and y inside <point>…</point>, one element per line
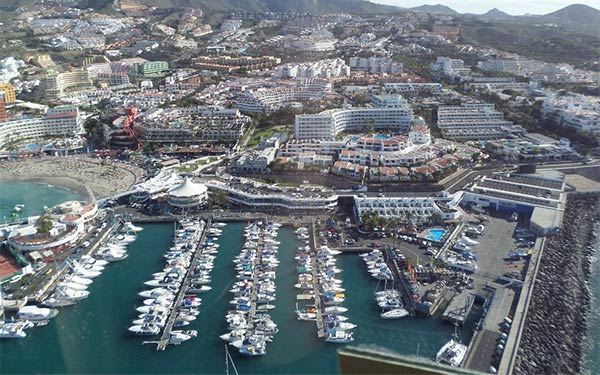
<point>513,7</point>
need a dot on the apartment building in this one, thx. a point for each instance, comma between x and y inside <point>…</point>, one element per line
<point>391,113</point>
<point>231,64</point>
<point>376,65</point>
<point>191,125</point>
<point>267,100</point>
<point>419,209</point>
<point>577,111</point>
<point>451,69</point>
<point>59,84</point>
<point>319,69</point>
<point>57,121</point>
<point>7,93</point>
<point>471,121</point>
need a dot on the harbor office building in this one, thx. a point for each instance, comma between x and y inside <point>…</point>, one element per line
<point>541,197</point>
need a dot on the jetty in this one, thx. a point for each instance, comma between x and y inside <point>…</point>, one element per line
<point>166,334</point>
<point>409,302</point>
<point>316,283</point>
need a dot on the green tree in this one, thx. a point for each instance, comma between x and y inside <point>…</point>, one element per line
<point>44,224</point>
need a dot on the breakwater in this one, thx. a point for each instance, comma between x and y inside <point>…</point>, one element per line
<point>553,337</point>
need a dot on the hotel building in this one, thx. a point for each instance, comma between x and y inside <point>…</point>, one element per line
<point>387,113</point>
<point>58,121</point>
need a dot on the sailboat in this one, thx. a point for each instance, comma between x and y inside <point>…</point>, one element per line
<point>228,359</point>
<point>453,352</point>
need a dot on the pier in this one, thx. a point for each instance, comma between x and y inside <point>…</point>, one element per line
<point>164,338</point>
<point>45,287</point>
<point>316,284</point>
<point>409,302</point>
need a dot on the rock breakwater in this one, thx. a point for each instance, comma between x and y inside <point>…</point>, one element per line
<point>553,337</point>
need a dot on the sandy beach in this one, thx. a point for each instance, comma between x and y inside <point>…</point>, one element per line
<point>104,178</point>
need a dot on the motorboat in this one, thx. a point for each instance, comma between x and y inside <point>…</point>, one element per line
<point>72,285</point>
<point>36,313</point>
<point>339,337</point>
<point>394,314</point>
<point>200,289</point>
<point>78,279</point>
<point>335,310</point>
<point>73,295</point>
<point>155,293</point>
<point>151,309</point>
<point>177,337</point>
<point>58,302</point>
<point>253,346</point>
<point>132,227</point>
<point>145,329</point>
<point>14,330</point>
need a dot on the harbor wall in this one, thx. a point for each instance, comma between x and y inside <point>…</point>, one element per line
<point>553,336</point>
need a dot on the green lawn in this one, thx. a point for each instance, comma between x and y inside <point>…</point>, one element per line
<point>265,133</point>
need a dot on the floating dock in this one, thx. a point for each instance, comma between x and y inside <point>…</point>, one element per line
<point>400,281</point>
<point>316,284</point>
<point>166,334</point>
<point>459,308</point>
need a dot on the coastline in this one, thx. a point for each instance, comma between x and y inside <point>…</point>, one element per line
<point>554,339</point>
<point>73,173</point>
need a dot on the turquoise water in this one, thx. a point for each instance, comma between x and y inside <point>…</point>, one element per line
<point>435,234</point>
<point>92,336</point>
<point>33,195</point>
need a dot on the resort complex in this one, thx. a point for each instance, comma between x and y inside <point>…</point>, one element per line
<point>298,187</point>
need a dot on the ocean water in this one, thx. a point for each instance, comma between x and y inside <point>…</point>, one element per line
<point>591,364</point>
<point>92,336</point>
<point>33,195</point>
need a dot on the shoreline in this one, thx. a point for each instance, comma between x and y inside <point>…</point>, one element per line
<point>561,303</point>
<point>64,183</point>
<point>73,173</point>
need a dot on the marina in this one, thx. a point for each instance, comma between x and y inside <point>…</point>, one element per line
<point>294,341</point>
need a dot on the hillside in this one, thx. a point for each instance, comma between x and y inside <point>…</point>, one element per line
<point>495,14</point>
<point>437,9</point>
<point>578,17</point>
<point>302,6</point>
<point>534,40</point>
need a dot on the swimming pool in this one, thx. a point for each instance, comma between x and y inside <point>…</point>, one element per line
<point>435,234</point>
<point>380,137</point>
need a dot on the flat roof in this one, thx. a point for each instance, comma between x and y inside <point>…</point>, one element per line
<point>544,217</point>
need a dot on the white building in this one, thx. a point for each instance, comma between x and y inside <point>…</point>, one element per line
<point>58,121</point>
<point>452,69</point>
<point>319,69</point>
<point>393,114</point>
<point>267,100</point>
<point>376,65</point>
<point>419,209</point>
<point>574,110</point>
<point>471,121</point>
<point>188,195</point>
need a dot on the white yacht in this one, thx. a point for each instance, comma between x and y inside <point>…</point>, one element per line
<point>14,330</point>
<point>339,337</point>
<point>453,352</point>
<point>177,337</point>
<point>36,313</point>
<point>394,314</point>
<point>145,329</point>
